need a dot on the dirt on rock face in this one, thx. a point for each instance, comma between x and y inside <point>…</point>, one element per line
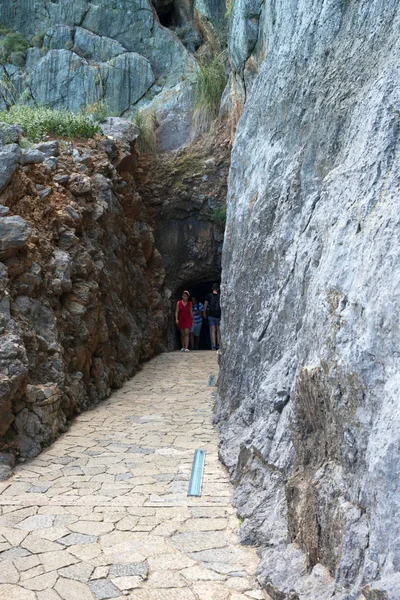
<point>82,299</point>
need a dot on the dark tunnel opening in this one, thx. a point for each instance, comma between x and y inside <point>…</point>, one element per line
<point>199,290</point>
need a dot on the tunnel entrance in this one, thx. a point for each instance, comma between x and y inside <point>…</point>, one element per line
<point>199,290</point>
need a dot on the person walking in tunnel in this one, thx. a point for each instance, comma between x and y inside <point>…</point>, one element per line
<point>212,311</point>
<point>198,309</point>
<point>184,319</point>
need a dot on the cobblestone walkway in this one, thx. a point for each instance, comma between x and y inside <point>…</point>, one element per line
<point>103,513</point>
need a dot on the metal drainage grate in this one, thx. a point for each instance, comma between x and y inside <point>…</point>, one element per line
<point>196,478</point>
<point>211,381</point>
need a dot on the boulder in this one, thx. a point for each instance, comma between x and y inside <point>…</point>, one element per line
<point>9,157</point>
<point>31,157</point>
<point>49,149</point>
<point>14,233</point>
<point>120,129</point>
<point>9,134</point>
<point>79,184</point>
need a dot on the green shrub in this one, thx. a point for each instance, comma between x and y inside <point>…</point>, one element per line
<point>13,49</point>
<point>218,215</point>
<point>146,122</point>
<point>18,58</point>
<point>38,39</point>
<point>39,122</point>
<point>210,84</point>
<point>14,42</point>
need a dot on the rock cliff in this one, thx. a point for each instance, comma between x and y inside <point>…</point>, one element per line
<point>308,405</point>
<point>83,53</point>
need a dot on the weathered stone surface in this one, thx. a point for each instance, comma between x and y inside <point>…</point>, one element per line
<point>64,79</point>
<point>9,134</point>
<point>9,157</point>
<point>49,149</point>
<point>31,157</point>
<point>308,270</point>
<point>14,233</point>
<point>91,50</point>
<point>120,129</point>
<point>96,47</point>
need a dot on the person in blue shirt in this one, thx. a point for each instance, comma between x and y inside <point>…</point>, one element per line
<point>198,309</point>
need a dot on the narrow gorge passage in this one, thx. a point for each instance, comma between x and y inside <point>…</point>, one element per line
<point>104,513</point>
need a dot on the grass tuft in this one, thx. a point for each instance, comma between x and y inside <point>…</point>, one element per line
<point>218,215</point>
<point>210,84</point>
<point>146,122</point>
<point>39,122</point>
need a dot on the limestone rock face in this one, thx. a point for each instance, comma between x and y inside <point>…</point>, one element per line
<point>311,300</point>
<point>93,52</point>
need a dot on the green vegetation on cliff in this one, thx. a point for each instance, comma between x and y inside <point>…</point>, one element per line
<point>210,84</point>
<point>39,122</point>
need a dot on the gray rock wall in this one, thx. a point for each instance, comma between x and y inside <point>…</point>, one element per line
<point>93,52</point>
<point>308,402</point>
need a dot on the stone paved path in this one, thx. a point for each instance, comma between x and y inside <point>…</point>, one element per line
<point>103,513</point>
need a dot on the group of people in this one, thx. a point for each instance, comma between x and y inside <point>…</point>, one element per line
<point>189,315</point>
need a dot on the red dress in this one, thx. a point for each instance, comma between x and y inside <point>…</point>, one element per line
<point>184,317</point>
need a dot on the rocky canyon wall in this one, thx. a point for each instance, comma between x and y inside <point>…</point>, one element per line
<point>82,285</point>
<point>309,405</point>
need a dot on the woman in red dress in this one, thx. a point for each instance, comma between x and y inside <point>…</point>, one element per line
<point>184,319</point>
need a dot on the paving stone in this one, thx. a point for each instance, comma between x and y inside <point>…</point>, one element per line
<point>106,507</point>
<point>26,563</point>
<point>69,589</point>
<point>172,594</point>
<point>91,528</point>
<point>13,553</point>
<point>36,522</point>
<point>78,572</point>
<point>38,489</point>
<point>126,584</point>
<point>52,561</point>
<point>37,545</point>
<point>78,538</point>
<point>123,476</point>
<point>15,592</point>
<point>8,573</point>
<point>43,582</point>
<point>211,591</point>
<point>31,573</point>
<point>100,573</point>
<point>128,569</point>
<point>198,573</point>
<point>104,589</point>
<point>48,595</point>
